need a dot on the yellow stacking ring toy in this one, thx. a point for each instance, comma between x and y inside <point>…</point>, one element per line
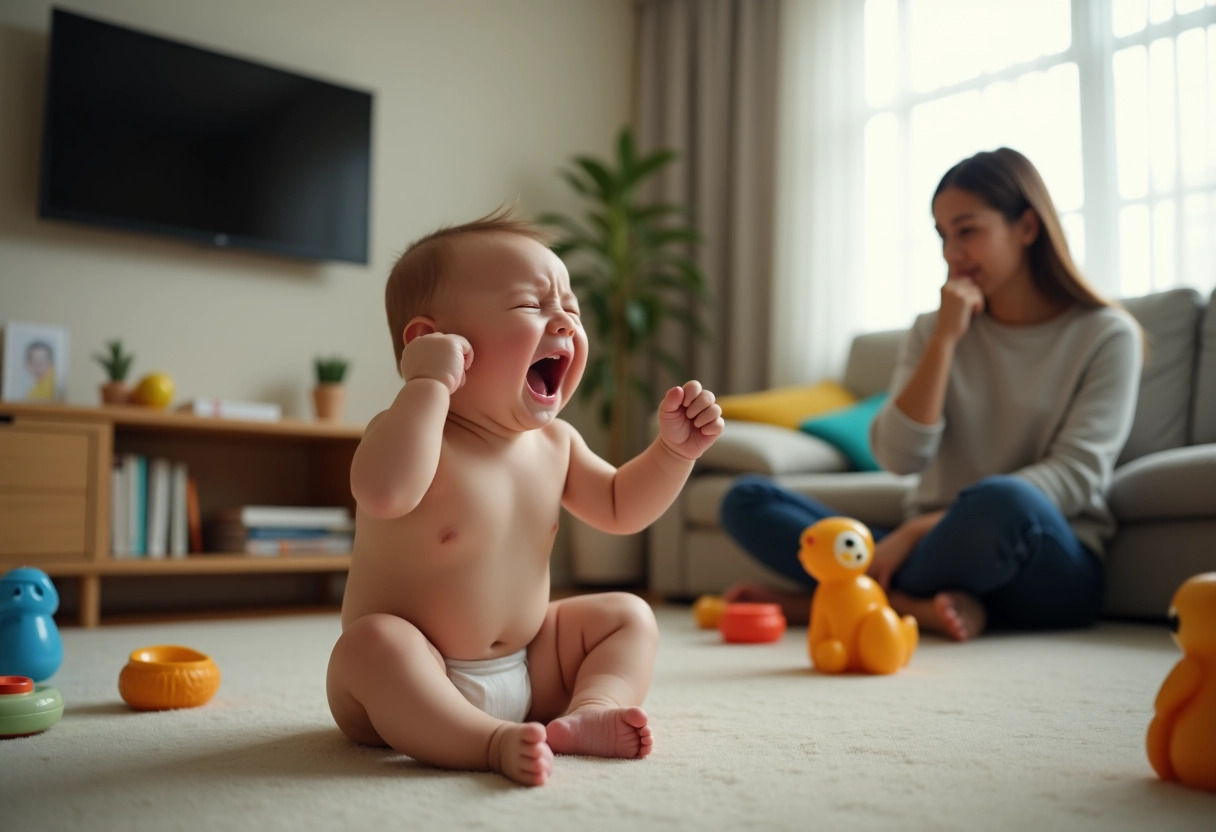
<point>168,676</point>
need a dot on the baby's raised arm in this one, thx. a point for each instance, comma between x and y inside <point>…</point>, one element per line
<point>396,460</point>
<point>628,499</point>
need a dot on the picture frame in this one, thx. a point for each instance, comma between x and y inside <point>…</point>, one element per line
<point>33,362</point>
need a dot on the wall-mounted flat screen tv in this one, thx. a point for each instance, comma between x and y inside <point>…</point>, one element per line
<point>149,134</point>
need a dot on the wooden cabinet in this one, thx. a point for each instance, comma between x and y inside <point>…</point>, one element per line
<point>55,485</point>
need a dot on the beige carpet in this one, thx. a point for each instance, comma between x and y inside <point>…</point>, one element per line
<point>1011,732</point>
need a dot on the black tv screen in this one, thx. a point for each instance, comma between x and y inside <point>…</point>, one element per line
<point>148,134</point>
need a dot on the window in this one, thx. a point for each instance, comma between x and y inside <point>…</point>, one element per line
<point>1114,101</point>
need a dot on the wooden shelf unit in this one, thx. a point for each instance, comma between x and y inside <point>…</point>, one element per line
<point>55,465</point>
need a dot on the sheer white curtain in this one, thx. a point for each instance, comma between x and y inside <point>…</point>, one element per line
<point>818,257</point>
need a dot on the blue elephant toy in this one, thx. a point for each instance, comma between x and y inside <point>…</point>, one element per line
<point>29,640</point>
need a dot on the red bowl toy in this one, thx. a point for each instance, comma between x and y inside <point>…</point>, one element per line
<point>746,623</point>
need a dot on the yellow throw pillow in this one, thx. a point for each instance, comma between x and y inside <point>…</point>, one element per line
<point>787,406</point>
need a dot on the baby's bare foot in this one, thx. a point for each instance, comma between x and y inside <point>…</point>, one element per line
<point>520,753</point>
<point>961,616</point>
<point>795,606</point>
<point>602,732</point>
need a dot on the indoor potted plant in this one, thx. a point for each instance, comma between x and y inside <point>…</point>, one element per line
<point>116,364</point>
<point>329,395</point>
<point>629,266</point>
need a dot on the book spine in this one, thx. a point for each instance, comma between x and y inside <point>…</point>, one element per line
<point>178,520</point>
<point>293,517</point>
<point>118,509</point>
<point>321,546</point>
<point>137,495</point>
<point>194,520</point>
<point>292,533</point>
<point>158,508</point>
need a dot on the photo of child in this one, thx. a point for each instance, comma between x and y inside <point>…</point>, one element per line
<point>34,362</point>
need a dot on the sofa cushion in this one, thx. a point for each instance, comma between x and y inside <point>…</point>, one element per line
<point>872,361</point>
<point>1203,421</point>
<point>767,449</point>
<point>1171,322</point>
<point>786,406</point>
<point>849,430</point>
<point>1177,483</point>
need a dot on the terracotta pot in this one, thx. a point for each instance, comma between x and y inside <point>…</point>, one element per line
<point>329,400</point>
<point>115,392</point>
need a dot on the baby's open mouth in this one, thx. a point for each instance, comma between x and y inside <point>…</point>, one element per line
<point>545,376</point>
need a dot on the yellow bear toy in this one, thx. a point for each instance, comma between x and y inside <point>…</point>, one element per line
<point>853,628</point>
<point>1182,735</point>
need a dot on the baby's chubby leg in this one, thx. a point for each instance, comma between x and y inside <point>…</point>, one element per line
<point>387,685</point>
<point>591,665</point>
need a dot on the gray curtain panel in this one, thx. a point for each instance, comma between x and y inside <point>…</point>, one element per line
<point>706,87</point>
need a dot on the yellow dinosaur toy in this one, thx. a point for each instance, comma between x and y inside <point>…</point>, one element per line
<point>1182,735</point>
<point>853,628</point>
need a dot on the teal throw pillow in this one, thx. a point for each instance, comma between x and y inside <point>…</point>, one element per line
<point>848,429</point>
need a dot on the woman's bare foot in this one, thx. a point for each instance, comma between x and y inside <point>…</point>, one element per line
<point>955,614</point>
<point>602,732</point>
<point>520,753</point>
<point>796,606</point>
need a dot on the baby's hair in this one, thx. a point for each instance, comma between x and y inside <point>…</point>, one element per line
<point>416,274</point>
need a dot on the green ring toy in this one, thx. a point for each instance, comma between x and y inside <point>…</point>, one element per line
<point>26,708</point>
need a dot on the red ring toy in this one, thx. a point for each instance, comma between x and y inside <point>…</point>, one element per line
<point>748,623</point>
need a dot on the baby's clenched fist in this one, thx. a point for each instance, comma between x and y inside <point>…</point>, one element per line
<point>440,356</point>
<point>689,419</point>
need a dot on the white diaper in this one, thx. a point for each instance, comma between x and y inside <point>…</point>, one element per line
<point>500,687</point>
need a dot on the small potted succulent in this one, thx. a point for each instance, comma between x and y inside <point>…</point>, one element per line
<point>116,364</point>
<point>329,395</point>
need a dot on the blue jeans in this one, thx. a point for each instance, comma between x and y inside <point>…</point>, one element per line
<point>1001,541</point>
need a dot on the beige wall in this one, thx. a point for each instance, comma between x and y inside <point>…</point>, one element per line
<point>476,102</point>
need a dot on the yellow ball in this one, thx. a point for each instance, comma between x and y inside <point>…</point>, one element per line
<point>153,390</point>
<point>708,611</point>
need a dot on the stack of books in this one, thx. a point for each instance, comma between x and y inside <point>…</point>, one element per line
<point>230,409</point>
<point>153,508</point>
<point>283,530</point>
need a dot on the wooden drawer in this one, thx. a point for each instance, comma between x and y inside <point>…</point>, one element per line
<point>52,526</point>
<point>40,460</point>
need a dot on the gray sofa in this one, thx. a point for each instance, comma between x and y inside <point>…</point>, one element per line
<point>1163,493</point>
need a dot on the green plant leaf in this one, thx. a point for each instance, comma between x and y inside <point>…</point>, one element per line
<point>580,185</point>
<point>677,283</point>
<point>649,165</point>
<point>600,175</point>
<point>643,388</point>
<point>625,152</point>
<point>666,236</point>
<point>674,366</point>
<point>637,315</point>
<point>646,213</point>
<point>606,410</point>
<point>690,320</point>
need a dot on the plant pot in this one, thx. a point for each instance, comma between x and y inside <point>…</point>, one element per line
<point>598,557</point>
<point>329,399</point>
<point>115,392</point>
